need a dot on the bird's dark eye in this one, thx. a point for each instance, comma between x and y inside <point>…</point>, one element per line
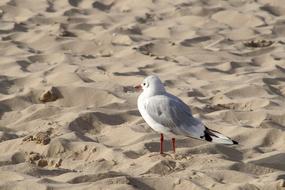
<point>144,83</point>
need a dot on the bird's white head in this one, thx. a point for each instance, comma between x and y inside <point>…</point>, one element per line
<point>151,85</point>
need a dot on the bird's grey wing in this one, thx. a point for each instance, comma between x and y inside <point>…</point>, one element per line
<point>175,115</point>
<point>185,107</point>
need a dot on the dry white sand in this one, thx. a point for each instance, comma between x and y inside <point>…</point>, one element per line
<point>88,134</point>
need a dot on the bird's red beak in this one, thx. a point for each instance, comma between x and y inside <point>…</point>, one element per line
<point>138,88</point>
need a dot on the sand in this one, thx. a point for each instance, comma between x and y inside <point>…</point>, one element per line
<point>68,114</point>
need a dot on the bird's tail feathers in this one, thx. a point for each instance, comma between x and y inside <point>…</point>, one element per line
<point>216,137</point>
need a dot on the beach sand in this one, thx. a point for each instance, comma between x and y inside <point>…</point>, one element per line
<point>68,113</point>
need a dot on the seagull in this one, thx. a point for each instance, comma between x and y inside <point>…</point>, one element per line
<point>170,116</point>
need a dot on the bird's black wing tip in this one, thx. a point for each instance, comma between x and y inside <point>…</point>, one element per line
<point>235,142</point>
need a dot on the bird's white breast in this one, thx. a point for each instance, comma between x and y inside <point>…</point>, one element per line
<point>142,101</point>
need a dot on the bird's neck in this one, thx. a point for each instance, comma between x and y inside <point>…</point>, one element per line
<point>150,93</point>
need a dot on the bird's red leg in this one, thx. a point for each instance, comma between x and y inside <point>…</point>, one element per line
<point>173,144</point>
<point>161,143</point>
